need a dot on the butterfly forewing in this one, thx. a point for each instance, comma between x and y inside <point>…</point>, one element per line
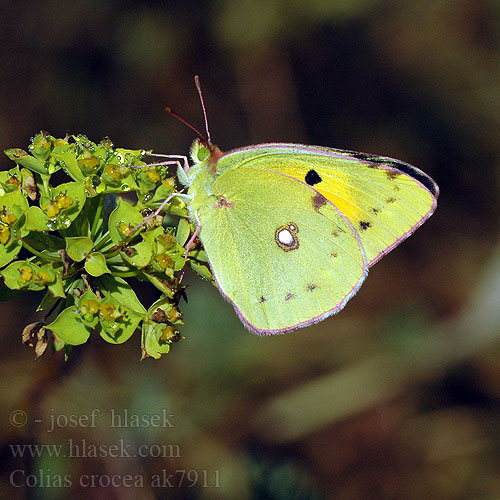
<point>280,251</point>
<point>384,199</point>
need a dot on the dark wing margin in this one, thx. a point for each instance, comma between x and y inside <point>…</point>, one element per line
<point>406,168</point>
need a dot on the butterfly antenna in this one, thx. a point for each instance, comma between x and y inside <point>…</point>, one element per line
<point>171,112</point>
<point>198,88</point>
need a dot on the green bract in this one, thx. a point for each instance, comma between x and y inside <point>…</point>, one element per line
<point>66,231</point>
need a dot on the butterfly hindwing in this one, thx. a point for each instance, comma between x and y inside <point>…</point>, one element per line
<point>280,251</point>
<point>384,199</point>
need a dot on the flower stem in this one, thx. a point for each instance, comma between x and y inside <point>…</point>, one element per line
<point>97,217</point>
<point>125,274</point>
<point>39,254</point>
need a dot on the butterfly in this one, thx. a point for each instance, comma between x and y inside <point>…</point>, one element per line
<point>291,230</point>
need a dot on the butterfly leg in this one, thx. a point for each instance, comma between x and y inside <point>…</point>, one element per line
<point>190,243</point>
<point>172,161</point>
<point>181,171</point>
<point>156,212</point>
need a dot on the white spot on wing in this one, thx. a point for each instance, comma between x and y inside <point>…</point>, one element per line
<point>286,237</point>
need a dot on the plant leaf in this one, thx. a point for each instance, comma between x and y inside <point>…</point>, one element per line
<point>69,327</point>
<point>95,264</point>
<point>123,293</point>
<point>78,247</point>
<point>124,216</point>
<point>183,232</point>
<point>139,255</point>
<point>69,163</point>
<point>22,158</point>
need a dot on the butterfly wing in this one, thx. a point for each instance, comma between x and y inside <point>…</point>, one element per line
<point>280,252</point>
<point>384,199</point>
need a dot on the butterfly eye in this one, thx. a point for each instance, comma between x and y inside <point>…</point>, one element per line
<point>203,153</point>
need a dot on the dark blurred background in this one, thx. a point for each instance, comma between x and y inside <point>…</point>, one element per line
<point>395,398</point>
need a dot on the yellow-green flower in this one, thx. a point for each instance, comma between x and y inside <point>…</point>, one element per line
<point>166,240</point>
<point>170,183</point>
<point>115,171</point>
<point>126,229</point>
<point>4,234</point>
<point>174,315</point>
<point>89,161</point>
<point>109,312</point>
<point>164,261</point>
<point>25,274</point>
<point>42,143</point>
<point>42,278</point>
<point>64,201</point>
<point>90,306</point>
<point>51,209</point>
<point>169,334</point>
<point>7,216</point>
<point>152,174</point>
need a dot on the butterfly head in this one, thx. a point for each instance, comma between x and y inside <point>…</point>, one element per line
<point>203,151</point>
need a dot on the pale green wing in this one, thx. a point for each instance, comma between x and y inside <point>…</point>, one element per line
<point>280,252</point>
<point>384,199</point>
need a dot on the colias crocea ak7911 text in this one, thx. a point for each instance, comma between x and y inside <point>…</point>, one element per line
<point>290,231</point>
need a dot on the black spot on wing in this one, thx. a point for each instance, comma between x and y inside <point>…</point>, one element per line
<point>262,299</point>
<point>311,287</point>
<point>391,200</point>
<point>312,177</point>
<point>289,296</point>
<point>364,225</point>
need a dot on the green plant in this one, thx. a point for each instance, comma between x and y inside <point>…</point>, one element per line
<point>85,241</point>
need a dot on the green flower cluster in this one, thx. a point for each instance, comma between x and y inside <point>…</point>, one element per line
<point>60,236</point>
